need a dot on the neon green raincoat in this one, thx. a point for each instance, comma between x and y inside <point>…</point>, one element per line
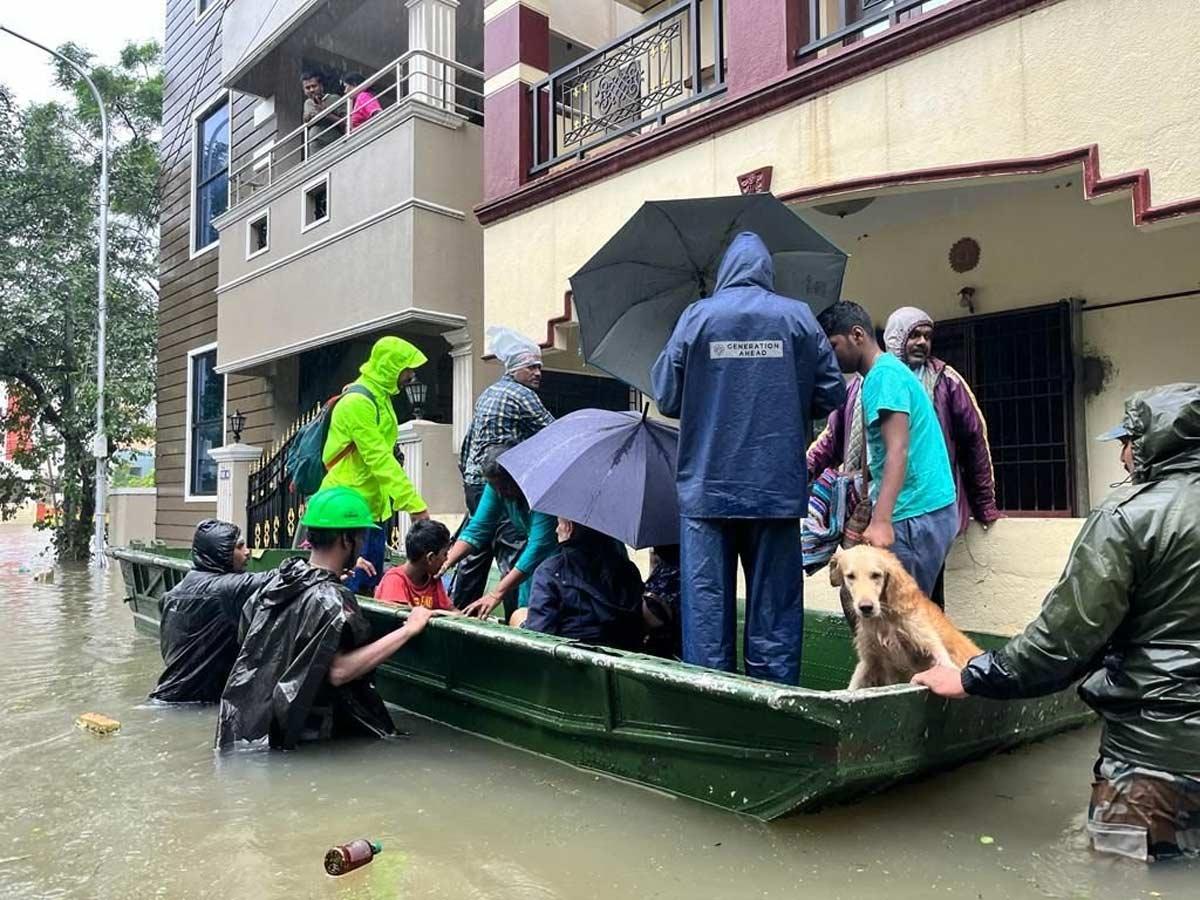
<point>371,468</point>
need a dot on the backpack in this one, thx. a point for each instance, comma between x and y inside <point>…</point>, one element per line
<point>304,468</point>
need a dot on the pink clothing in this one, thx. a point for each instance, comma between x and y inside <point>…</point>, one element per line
<point>365,106</point>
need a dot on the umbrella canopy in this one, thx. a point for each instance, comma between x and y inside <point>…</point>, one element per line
<point>629,296</point>
<point>611,471</point>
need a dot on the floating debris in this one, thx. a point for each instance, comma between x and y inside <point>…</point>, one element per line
<point>986,839</point>
<point>98,724</point>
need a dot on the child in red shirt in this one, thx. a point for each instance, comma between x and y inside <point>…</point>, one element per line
<point>416,582</point>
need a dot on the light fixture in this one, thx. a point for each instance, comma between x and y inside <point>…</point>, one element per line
<point>416,391</point>
<point>843,208</point>
<point>237,422</point>
<point>966,299</point>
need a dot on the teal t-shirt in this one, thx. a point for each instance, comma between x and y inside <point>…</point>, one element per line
<point>891,386</point>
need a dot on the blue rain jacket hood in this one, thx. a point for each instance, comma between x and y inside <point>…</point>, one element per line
<point>745,371</point>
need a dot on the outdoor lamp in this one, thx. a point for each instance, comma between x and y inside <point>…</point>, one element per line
<point>237,422</point>
<point>416,391</point>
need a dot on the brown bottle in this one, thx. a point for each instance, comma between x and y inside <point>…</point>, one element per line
<point>351,856</point>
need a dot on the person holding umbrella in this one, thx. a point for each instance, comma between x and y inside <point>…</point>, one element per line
<point>745,371</point>
<point>503,502</point>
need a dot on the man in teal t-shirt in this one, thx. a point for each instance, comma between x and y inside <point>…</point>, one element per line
<point>912,488</point>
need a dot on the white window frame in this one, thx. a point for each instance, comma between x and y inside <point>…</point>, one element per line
<point>199,113</point>
<point>188,496</point>
<point>199,15</point>
<point>264,213</point>
<point>322,178</point>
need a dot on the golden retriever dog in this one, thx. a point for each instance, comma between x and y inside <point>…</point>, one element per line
<point>898,631</point>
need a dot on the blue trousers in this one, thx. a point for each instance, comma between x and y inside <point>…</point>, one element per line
<point>923,543</point>
<point>373,549</point>
<point>769,550</point>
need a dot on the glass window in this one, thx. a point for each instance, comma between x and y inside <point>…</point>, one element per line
<point>202,6</point>
<point>207,422</point>
<point>212,172</point>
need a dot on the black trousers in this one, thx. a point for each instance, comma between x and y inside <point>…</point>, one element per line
<point>471,576</point>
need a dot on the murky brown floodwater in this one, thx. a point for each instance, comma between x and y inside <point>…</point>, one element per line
<point>152,812</point>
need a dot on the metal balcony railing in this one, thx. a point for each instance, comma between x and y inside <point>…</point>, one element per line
<point>631,84</point>
<point>417,75</point>
<point>859,19</point>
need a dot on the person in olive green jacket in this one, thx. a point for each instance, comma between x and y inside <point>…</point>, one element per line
<point>359,451</point>
<point>1125,616</point>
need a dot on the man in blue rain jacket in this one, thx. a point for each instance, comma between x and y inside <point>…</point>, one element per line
<point>744,371</point>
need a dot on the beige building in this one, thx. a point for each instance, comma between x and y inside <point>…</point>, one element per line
<point>1022,169</point>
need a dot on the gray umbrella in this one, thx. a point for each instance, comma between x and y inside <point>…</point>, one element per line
<point>611,471</point>
<point>629,296</point>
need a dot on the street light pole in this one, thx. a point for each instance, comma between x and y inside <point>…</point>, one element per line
<point>100,445</point>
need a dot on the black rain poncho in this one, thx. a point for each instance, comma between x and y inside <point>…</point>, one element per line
<point>198,631</point>
<point>279,688</point>
<point>1126,611</point>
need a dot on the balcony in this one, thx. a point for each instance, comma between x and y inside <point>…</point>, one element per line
<point>347,225</point>
<point>827,27</point>
<point>671,63</point>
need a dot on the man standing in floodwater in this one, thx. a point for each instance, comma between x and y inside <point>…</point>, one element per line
<point>1125,616</point>
<point>744,372</point>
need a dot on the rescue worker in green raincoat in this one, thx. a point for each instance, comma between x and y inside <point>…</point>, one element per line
<point>359,451</point>
<point>1125,617</point>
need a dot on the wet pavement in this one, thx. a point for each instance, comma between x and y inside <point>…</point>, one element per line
<point>153,812</point>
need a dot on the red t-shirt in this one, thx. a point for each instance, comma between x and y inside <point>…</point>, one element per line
<point>397,587</point>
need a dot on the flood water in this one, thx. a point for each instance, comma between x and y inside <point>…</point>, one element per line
<point>152,812</point>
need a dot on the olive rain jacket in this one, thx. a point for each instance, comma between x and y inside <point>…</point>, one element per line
<point>198,630</point>
<point>1126,611</point>
<point>279,688</point>
<point>370,424</point>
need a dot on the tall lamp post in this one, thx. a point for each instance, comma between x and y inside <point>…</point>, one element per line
<point>100,446</point>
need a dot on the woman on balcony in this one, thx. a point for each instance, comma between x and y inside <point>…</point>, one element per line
<point>365,103</point>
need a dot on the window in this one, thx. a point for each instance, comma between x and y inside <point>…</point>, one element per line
<point>315,210</point>
<point>204,6</point>
<point>258,234</point>
<point>565,392</point>
<point>205,422</point>
<point>210,174</point>
<point>1019,365</point>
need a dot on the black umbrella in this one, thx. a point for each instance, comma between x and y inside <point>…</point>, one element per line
<point>629,296</point>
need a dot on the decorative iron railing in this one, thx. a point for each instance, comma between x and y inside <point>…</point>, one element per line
<point>417,75</point>
<point>859,19</point>
<point>634,83</point>
<point>273,511</point>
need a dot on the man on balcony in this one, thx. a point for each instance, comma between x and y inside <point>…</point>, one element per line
<point>317,103</point>
<point>359,449</point>
<point>744,372</point>
<point>507,413</point>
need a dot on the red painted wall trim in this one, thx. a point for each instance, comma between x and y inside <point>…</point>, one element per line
<point>1094,184</point>
<point>816,77</point>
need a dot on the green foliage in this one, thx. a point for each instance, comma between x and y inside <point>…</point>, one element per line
<point>49,176</point>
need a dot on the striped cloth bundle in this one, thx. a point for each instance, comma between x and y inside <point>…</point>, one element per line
<point>831,500</point>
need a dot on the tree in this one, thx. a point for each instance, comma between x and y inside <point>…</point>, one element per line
<point>49,174</point>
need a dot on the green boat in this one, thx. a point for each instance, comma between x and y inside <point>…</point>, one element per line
<point>738,743</point>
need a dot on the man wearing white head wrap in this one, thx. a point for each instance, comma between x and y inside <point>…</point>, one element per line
<point>909,336</point>
<point>507,413</point>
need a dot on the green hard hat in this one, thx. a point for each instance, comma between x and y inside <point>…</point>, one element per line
<point>338,507</point>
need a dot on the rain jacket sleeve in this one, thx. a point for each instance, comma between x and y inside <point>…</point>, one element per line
<point>829,387</point>
<point>974,453</point>
<point>545,600</point>
<point>355,415</point>
<point>481,529</point>
<point>541,544</point>
<point>1078,618</point>
<point>667,375</point>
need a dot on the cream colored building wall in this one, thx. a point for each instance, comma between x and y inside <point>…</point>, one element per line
<point>1042,83</point>
<point>1138,346</point>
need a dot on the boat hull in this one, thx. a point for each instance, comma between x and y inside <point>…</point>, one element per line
<point>738,743</point>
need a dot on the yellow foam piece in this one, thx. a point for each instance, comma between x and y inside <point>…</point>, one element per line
<point>98,724</point>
